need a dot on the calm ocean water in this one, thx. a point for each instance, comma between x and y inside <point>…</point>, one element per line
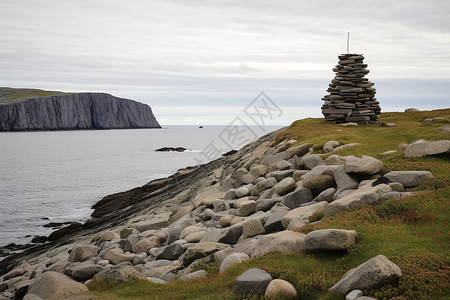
<point>57,176</point>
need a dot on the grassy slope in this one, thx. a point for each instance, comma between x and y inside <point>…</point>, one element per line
<point>413,232</point>
<point>11,95</point>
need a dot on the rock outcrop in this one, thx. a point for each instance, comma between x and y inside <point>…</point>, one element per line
<point>76,111</point>
<point>373,273</point>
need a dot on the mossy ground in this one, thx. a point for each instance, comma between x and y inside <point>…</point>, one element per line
<point>413,232</point>
<point>10,95</point>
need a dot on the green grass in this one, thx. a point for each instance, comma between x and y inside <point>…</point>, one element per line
<point>413,232</point>
<point>373,138</point>
<point>10,95</point>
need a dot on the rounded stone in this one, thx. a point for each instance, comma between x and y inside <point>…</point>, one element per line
<point>280,288</point>
<point>232,259</point>
<point>242,192</point>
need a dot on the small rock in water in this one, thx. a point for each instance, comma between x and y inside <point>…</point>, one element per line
<point>171,149</point>
<point>57,224</point>
<point>39,239</point>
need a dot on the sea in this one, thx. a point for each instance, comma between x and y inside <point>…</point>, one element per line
<point>56,176</point>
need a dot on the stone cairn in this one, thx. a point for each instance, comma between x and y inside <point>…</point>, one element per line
<point>352,97</point>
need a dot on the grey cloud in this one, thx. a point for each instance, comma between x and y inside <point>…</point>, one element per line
<point>205,52</point>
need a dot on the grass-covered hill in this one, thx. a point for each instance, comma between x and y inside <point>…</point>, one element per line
<point>413,231</point>
<point>11,95</point>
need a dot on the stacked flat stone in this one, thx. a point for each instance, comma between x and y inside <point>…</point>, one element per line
<point>352,97</point>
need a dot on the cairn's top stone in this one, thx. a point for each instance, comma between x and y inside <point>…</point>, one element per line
<point>351,97</point>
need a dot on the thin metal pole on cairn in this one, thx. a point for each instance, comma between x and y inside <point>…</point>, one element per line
<point>348,42</point>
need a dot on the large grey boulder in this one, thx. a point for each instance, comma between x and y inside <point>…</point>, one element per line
<point>297,151</point>
<point>298,174</point>
<point>284,241</point>
<point>230,194</point>
<point>326,195</point>
<point>251,228</point>
<point>190,230</point>
<point>231,234</point>
<point>341,147</point>
<point>194,275</point>
<point>279,288</point>
<point>263,185</point>
<point>242,192</point>
<point>247,207</point>
<point>273,223</point>
<point>366,165</point>
<point>297,198</point>
<point>423,148</point>
<point>201,250</point>
<point>118,274</point>
<point>116,256</point>
<point>258,170</point>
<point>125,232</point>
<point>171,252</point>
<point>343,180</point>
<point>232,259</point>
<point>329,146</point>
<point>160,268</point>
<point>318,171</point>
<point>131,240</point>
<point>182,211</point>
<point>330,239</point>
<point>310,161</point>
<point>219,256</point>
<point>300,216</point>
<point>212,235</point>
<point>283,165</point>
<point>366,194</point>
<point>271,160</point>
<point>83,272</point>
<point>333,160</point>
<point>177,227</point>
<point>374,273</point>
<point>246,246</point>
<point>253,281</point>
<point>154,224</point>
<point>53,285</point>
<point>83,252</point>
<point>285,186</point>
<point>409,178</point>
<point>267,204</point>
<point>280,175</point>
<point>108,236</point>
<point>145,244</point>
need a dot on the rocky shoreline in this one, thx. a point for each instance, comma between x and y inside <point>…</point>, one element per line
<point>240,206</point>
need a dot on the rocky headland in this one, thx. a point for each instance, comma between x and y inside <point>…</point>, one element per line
<point>73,111</point>
<point>246,205</point>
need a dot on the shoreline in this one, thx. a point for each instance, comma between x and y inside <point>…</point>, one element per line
<point>268,197</point>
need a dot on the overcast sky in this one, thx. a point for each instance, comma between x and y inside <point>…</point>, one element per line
<point>203,61</point>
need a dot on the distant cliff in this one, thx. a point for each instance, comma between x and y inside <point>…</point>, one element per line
<point>75,111</point>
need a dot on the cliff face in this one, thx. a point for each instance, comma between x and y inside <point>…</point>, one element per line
<point>76,111</point>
